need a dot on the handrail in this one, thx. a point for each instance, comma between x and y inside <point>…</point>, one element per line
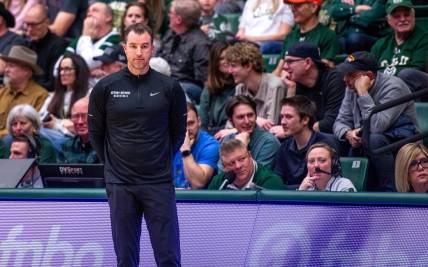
<point>387,105</point>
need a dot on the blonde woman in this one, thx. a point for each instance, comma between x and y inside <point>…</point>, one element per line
<point>411,168</point>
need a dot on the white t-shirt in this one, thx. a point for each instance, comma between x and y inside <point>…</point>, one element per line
<point>263,20</point>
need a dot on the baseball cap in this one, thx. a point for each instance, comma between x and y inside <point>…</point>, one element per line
<point>112,54</point>
<point>305,50</point>
<point>318,2</point>
<point>358,61</point>
<point>393,4</point>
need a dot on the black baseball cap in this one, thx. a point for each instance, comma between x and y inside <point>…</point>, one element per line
<point>113,54</point>
<point>358,61</point>
<point>305,50</point>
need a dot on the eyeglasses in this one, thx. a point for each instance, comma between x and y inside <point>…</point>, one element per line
<point>414,164</point>
<point>33,24</point>
<point>77,116</point>
<point>291,61</point>
<point>66,69</point>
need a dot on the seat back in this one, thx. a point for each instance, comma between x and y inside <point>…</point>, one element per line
<point>355,169</point>
<point>270,61</point>
<point>422,117</point>
<point>224,26</point>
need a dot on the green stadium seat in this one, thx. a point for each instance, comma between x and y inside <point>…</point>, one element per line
<point>270,61</point>
<point>225,26</point>
<point>422,117</point>
<point>339,58</point>
<point>421,11</point>
<point>355,169</point>
<point>422,22</point>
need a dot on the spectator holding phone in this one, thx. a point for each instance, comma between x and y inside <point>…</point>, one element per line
<point>71,84</point>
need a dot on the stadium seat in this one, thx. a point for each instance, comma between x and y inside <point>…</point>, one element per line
<point>421,10</point>
<point>355,169</point>
<point>340,58</point>
<point>422,117</point>
<point>422,22</point>
<point>225,26</point>
<point>270,61</point>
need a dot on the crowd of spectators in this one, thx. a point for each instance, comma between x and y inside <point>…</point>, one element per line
<point>246,128</point>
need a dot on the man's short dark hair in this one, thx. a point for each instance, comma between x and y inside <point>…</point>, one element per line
<point>138,28</point>
<point>231,145</point>
<point>304,106</point>
<point>239,100</point>
<point>32,143</point>
<point>191,107</point>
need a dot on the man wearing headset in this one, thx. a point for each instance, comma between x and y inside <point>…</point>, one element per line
<point>25,147</point>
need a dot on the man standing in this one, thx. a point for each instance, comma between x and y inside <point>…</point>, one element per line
<point>404,51</point>
<point>196,162</point>
<point>137,120</point>
<point>186,48</point>
<point>78,149</point>
<point>48,46</point>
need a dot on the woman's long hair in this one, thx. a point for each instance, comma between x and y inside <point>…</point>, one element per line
<point>217,81</point>
<point>405,155</point>
<point>80,87</point>
<point>146,14</point>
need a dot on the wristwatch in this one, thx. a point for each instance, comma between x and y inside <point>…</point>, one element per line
<point>186,153</point>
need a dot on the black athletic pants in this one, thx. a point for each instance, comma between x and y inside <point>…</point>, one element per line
<point>128,204</point>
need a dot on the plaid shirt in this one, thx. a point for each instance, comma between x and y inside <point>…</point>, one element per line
<point>75,151</point>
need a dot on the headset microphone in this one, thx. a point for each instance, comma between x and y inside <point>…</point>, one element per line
<point>229,177</point>
<point>319,170</point>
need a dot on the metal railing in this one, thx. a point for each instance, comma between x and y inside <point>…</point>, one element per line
<point>381,107</point>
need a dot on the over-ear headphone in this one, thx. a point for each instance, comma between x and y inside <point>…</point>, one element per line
<point>336,166</point>
<point>33,145</point>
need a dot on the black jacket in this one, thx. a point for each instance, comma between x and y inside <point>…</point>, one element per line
<point>187,54</point>
<point>136,124</point>
<point>327,94</point>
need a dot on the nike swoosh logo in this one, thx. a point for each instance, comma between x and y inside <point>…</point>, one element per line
<point>153,94</point>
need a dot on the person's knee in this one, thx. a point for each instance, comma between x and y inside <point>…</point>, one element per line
<point>378,141</point>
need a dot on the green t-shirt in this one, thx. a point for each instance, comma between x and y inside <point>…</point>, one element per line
<point>321,35</point>
<point>392,58</point>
